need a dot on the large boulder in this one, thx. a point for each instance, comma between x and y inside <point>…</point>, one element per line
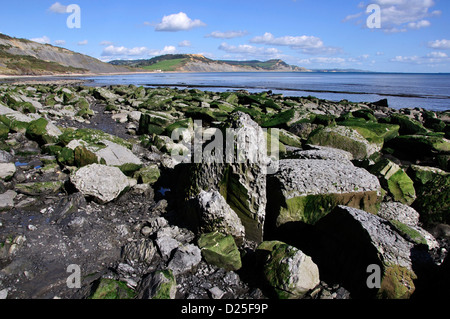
<point>433,193</point>
<point>347,139</point>
<point>355,244</point>
<point>103,183</point>
<point>288,271</point>
<point>307,190</point>
<point>239,175</point>
<point>216,215</point>
<point>405,220</point>
<point>220,250</point>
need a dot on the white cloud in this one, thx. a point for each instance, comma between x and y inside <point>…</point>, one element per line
<point>419,24</point>
<point>105,43</point>
<point>178,22</point>
<point>306,44</point>
<point>185,43</point>
<point>435,57</point>
<point>322,60</point>
<point>169,49</point>
<point>443,44</point>
<point>58,8</point>
<point>247,49</point>
<point>59,42</point>
<point>399,15</point>
<point>226,34</point>
<point>113,51</point>
<point>44,40</point>
<point>84,42</point>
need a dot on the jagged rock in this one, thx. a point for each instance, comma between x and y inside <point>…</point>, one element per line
<point>220,250</point>
<point>395,180</point>
<point>307,190</point>
<point>406,220</point>
<point>6,157</point>
<point>103,183</point>
<point>355,240</point>
<point>400,212</point>
<point>239,176</point>
<point>185,258</point>
<point>159,285</point>
<point>216,215</point>
<point>141,251</point>
<point>289,271</point>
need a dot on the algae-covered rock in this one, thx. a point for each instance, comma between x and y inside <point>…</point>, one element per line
<point>347,139</point>
<point>307,190</point>
<point>372,131</point>
<point>160,285</point>
<point>42,131</point>
<point>433,193</point>
<point>357,240</point>
<point>395,180</point>
<point>148,174</point>
<point>4,130</point>
<point>112,289</point>
<point>40,188</point>
<point>83,157</point>
<point>220,250</point>
<point>289,271</point>
<point>408,126</point>
<point>413,147</point>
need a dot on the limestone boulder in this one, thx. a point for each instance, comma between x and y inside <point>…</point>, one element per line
<point>305,190</point>
<point>103,183</point>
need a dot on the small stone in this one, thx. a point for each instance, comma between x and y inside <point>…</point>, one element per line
<point>216,293</point>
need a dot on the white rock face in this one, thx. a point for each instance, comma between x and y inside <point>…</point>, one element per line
<point>313,177</point>
<point>217,215</point>
<point>7,200</point>
<point>7,170</point>
<point>116,155</point>
<point>104,183</point>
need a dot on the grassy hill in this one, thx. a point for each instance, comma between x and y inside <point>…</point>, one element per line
<point>25,57</point>
<point>199,63</point>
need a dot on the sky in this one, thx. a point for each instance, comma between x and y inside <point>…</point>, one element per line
<point>373,35</point>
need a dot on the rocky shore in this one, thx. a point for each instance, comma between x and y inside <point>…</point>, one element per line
<point>98,200</point>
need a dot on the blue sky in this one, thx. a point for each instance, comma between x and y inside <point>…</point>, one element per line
<point>413,35</point>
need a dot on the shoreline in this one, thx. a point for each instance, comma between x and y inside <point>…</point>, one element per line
<point>349,95</point>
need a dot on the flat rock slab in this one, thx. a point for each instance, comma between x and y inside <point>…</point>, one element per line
<point>307,189</point>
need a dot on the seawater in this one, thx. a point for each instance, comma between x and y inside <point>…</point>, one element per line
<point>402,90</point>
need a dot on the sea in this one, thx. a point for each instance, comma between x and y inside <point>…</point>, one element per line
<point>402,90</point>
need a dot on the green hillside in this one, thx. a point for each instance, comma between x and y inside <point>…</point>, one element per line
<point>165,65</point>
